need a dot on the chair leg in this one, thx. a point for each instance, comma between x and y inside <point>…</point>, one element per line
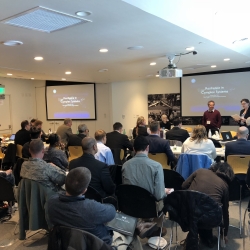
<point>240,212</point>
<point>218,237</point>
<point>163,217</point>
<point>171,235</point>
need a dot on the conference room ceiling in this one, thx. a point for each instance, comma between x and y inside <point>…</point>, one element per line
<point>116,25</point>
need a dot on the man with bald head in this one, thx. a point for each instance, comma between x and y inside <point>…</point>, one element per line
<point>100,175</point>
<point>241,146</point>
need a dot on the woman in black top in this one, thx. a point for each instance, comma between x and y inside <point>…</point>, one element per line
<point>165,123</point>
<point>244,113</point>
<point>141,128</point>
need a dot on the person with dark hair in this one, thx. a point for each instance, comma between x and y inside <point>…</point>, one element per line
<point>101,178</point>
<point>244,113</point>
<point>34,134</point>
<point>73,210</point>
<point>23,135</point>
<point>165,123</point>
<point>54,154</point>
<point>211,119</point>
<point>159,145</point>
<point>38,125</point>
<point>38,170</point>
<point>215,183</point>
<point>177,133</point>
<point>32,122</point>
<point>116,139</point>
<point>104,153</point>
<point>76,139</point>
<point>64,131</point>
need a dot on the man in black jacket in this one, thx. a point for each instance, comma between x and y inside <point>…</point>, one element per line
<point>176,133</point>
<point>101,179</point>
<point>116,139</point>
<point>23,135</point>
<point>76,140</point>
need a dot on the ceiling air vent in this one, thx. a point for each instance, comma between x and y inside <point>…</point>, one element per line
<point>43,19</point>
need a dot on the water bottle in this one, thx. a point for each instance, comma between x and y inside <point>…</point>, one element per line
<point>209,133</point>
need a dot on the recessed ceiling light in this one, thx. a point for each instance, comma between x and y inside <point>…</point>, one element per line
<point>63,79</point>
<point>38,58</point>
<point>138,47</point>
<point>103,50</point>
<point>83,13</point>
<point>102,70</point>
<point>153,63</point>
<point>227,59</point>
<point>213,66</point>
<point>157,75</point>
<point>9,74</point>
<point>190,48</point>
<point>32,78</point>
<point>67,72</point>
<point>12,43</point>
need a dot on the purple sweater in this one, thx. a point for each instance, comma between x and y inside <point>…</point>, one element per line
<point>214,117</point>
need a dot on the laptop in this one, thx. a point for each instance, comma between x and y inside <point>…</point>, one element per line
<point>226,136</point>
<point>12,138</point>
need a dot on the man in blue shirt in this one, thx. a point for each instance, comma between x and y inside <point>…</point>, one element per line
<point>104,153</point>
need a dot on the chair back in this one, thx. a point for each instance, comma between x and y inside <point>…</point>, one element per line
<point>62,238</point>
<point>118,155</point>
<point>6,190</point>
<point>136,201</point>
<point>10,156</point>
<point>116,174</point>
<point>239,163</point>
<point>17,169</point>
<point>75,152</point>
<point>233,133</point>
<point>19,150</point>
<point>93,194</point>
<point>161,158</point>
<point>189,163</point>
<point>172,179</point>
<point>175,143</point>
<point>189,129</point>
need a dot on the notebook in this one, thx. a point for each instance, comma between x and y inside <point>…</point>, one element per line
<point>227,136</point>
<point>123,224</point>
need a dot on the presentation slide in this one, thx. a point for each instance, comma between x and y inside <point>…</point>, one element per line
<point>71,101</point>
<point>226,90</point>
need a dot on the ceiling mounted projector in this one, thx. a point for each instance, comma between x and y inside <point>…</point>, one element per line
<point>171,70</point>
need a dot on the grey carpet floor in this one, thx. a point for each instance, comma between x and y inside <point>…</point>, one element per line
<point>39,240</point>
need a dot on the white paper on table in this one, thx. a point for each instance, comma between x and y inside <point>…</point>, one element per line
<point>236,117</point>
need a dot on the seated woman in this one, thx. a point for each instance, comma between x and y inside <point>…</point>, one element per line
<point>55,155</point>
<point>141,128</point>
<point>198,143</point>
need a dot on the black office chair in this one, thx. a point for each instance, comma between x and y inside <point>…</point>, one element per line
<point>10,157</point>
<point>116,174</point>
<point>172,179</point>
<point>193,210</point>
<point>63,238</point>
<point>93,194</point>
<point>17,170</point>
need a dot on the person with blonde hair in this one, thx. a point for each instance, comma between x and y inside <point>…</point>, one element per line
<point>198,143</point>
<point>140,128</point>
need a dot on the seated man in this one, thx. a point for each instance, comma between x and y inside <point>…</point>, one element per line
<point>215,183</point>
<point>38,125</point>
<point>165,123</point>
<point>177,133</point>
<point>72,209</point>
<point>104,153</point>
<point>159,145</point>
<point>76,140</point>
<point>34,134</point>
<point>144,172</point>
<point>239,147</point>
<point>38,170</point>
<point>64,131</point>
<point>101,179</point>
<point>23,135</point>
<point>116,139</point>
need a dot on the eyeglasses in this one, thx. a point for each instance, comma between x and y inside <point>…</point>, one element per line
<point>243,103</point>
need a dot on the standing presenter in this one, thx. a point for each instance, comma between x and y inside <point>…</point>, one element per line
<point>211,118</point>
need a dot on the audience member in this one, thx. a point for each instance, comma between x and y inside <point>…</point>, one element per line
<point>64,131</point>
<point>54,154</point>
<point>239,147</point>
<point>116,139</point>
<point>34,134</point>
<point>177,133</point>
<point>144,172</point>
<point>165,123</point>
<point>159,145</point>
<point>213,182</point>
<point>73,210</point>
<point>198,143</point>
<point>23,135</point>
<point>38,170</point>
<point>32,122</point>
<point>104,153</point>
<point>76,140</point>
<point>101,179</point>
<point>38,125</point>
<point>140,128</point>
